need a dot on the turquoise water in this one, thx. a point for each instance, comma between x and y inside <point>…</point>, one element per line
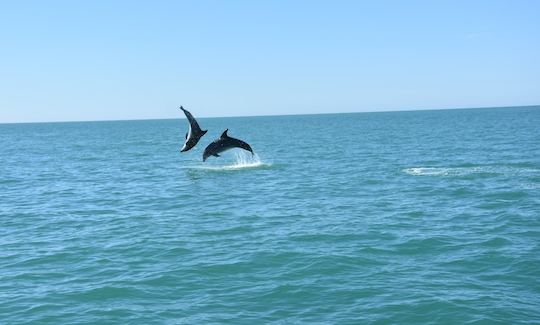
<point>428,217</point>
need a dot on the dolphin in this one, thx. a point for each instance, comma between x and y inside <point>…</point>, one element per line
<point>195,133</point>
<point>224,143</point>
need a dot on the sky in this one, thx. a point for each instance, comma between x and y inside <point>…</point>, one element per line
<point>110,60</point>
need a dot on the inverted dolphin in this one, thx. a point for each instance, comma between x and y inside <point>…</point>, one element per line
<point>194,134</point>
<point>224,143</point>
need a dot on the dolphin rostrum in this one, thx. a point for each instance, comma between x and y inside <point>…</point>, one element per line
<point>194,134</point>
<point>224,143</point>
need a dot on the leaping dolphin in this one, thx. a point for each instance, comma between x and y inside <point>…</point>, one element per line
<point>224,143</point>
<point>194,134</point>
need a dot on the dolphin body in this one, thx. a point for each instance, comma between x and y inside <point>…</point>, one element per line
<point>224,143</point>
<point>194,134</point>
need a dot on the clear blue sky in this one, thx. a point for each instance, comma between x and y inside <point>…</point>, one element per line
<point>94,60</point>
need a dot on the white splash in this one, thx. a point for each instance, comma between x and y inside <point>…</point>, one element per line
<point>243,160</point>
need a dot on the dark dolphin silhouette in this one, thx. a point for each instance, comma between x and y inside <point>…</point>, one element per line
<point>194,134</point>
<point>224,143</point>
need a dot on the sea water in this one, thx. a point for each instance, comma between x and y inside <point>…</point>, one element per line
<point>426,217</point>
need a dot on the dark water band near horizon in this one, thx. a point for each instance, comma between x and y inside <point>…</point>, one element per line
<point>426,217</point>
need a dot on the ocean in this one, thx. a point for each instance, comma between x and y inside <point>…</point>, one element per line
<point>421,217</point>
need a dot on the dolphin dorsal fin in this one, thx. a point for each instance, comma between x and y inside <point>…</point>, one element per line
<point>224,134</point>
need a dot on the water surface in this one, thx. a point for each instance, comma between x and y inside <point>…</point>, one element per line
<point>429,217</point>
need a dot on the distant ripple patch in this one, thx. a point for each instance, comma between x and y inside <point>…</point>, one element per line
<point>463,171</point>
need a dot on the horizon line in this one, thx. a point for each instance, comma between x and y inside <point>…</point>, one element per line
<point>267,115</point>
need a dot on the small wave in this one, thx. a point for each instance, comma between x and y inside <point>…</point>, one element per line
<point>462,171</point>
<point>243,161</point>
<point>427,171</point>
